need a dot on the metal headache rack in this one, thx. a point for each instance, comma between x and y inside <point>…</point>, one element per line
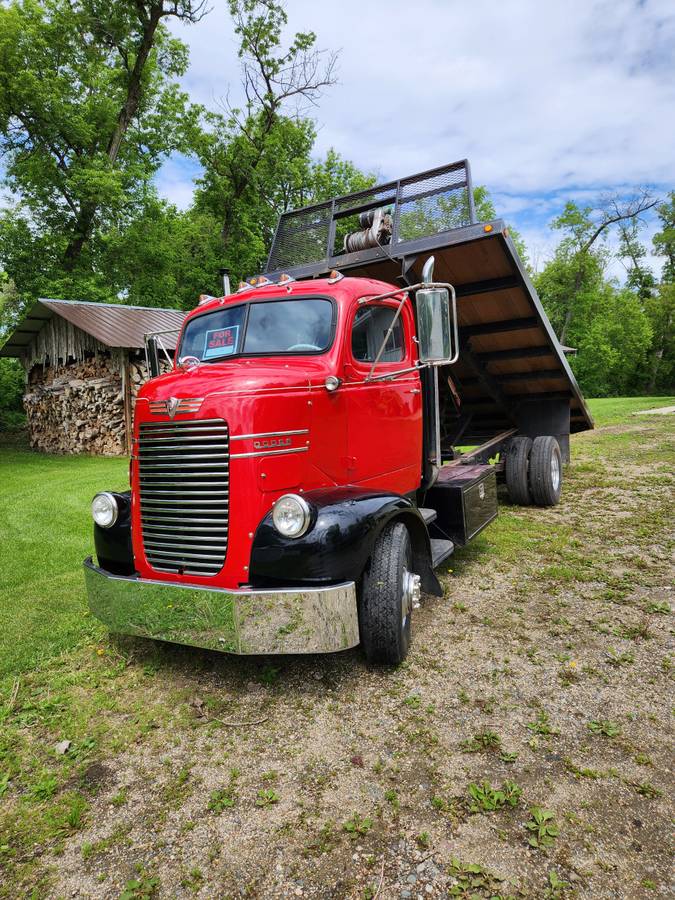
<point>511,369</point>
<point>417,207</point>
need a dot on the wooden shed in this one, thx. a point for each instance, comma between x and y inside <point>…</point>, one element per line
<point>84,363</point>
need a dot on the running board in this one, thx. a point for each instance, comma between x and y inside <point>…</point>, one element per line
<point>429,515</point>
<point>440,550</point>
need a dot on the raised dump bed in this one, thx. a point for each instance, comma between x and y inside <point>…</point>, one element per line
<point>512,371</point>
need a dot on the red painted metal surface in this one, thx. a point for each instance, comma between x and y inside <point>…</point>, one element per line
<point>367,434</point>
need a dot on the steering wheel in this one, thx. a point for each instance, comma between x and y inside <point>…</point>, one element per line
<point>304,347</point>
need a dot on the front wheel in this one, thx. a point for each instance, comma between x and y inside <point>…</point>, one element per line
<point>389,591</point>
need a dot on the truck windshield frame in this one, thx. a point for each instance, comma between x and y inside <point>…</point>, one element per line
<point>243,324</point>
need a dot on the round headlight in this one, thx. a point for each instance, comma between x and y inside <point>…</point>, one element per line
<point>104,509</point>
<point>291,515</point>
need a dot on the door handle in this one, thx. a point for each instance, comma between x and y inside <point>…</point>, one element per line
<point>414,391</point>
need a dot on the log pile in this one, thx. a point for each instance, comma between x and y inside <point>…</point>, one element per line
<point>77,408</point>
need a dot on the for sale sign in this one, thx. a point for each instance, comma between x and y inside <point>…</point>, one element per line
<point>220,342</point>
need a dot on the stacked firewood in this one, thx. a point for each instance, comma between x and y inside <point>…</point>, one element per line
<point>78,408</point>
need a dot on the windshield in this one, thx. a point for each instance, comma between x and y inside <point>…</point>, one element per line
<point>262,328</point>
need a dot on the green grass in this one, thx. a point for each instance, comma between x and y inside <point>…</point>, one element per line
<point>46,532</point>
<point>108,698</point>
<point>613,410</point>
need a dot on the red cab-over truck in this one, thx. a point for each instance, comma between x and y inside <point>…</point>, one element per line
<point>296,477</point>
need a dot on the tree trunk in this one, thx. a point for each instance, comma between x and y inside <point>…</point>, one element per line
<point>85,221</point>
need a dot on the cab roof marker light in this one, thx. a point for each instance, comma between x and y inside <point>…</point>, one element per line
<point>243,286</point>
<point>335,276</point>
<point>285,278</point>
<point>205,298</point>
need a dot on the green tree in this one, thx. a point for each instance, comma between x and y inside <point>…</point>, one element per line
<point>584,230</point>
<point>660,305</point>
<point>89,107</point>
<point>12,375</point>
<point>613,344</point>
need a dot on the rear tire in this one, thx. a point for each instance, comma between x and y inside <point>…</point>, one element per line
<point>516,470</point>
<point>388,594</point>
<point>546,471</point>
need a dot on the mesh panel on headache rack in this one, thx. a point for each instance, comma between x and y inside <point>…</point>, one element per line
<point>435,202</point>
<point>302,237</point>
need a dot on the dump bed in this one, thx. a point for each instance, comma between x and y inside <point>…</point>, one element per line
<point>509,351</point>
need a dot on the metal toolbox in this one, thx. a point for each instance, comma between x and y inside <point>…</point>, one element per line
<point>465,499</point>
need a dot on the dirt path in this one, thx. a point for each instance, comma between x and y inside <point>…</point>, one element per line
<point>541,681</point>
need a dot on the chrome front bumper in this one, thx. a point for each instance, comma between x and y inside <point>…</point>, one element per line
<point>304,620</point>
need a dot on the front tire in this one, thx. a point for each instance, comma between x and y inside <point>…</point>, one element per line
<point>546,471</point>
<point>389,591</point>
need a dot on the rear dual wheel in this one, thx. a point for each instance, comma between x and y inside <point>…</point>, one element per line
<point>533,471</point>
<point>389,592</point>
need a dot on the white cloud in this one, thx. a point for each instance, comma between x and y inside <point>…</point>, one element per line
<point>548,100</point>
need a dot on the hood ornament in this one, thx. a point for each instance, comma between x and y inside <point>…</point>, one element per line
<point>171,406</point>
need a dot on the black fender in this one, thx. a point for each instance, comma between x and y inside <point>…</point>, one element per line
<point>113,545</point>
<point>346,522</point>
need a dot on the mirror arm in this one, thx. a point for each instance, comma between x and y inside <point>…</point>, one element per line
<point>413,287</point>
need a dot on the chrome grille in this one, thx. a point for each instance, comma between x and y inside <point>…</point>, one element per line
<point>184,494</point>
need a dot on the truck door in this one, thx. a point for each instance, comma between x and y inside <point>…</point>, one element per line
<point>384,418</point>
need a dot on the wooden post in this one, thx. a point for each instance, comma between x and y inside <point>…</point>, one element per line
<point>128,413</point>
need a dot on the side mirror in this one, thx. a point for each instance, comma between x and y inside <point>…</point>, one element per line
<point>434,325</point>
<point>152,356</point>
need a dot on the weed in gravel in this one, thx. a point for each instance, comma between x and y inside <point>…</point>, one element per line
<point>662,608</point>
<point>580,772</point>
<point>266,797</point>
<point>220,800</point>
<point>619,659</point>
<point>178,788</point>
<point>604,727</point>
<point>555,888</point>
<point>485,798</point>
<point>542,827</point>
<point>423,840</point>
<point>507,757</point>
<point>392,799</point>
<point>484,740</point>
<point>142,888</point>
<point>324,840</point>
<point>542,724</point>
<point>645,789</point>
<point>638,632</point>
<point>194,880</point>
<point>414,701</point>
<point>472,882</point>
<point>357,825</point>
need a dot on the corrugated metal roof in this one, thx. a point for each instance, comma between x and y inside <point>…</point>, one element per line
<point>112,324</point>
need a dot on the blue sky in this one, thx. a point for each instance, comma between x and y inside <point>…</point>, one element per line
<point>550,101</point>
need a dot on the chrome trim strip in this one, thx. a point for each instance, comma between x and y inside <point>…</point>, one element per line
<point>290,620</point>
<point>151,493</point>
<point>182,555</point>
<point>183,456</point>
<point>160,542</point>
<point>151,529</point>
<point>266,434</point>
<point>269,453</point>
<point>169,469</point>
<point>163,519</point>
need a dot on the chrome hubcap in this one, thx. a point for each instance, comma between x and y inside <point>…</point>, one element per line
<point>555,472</point>
<point>411,594</point>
